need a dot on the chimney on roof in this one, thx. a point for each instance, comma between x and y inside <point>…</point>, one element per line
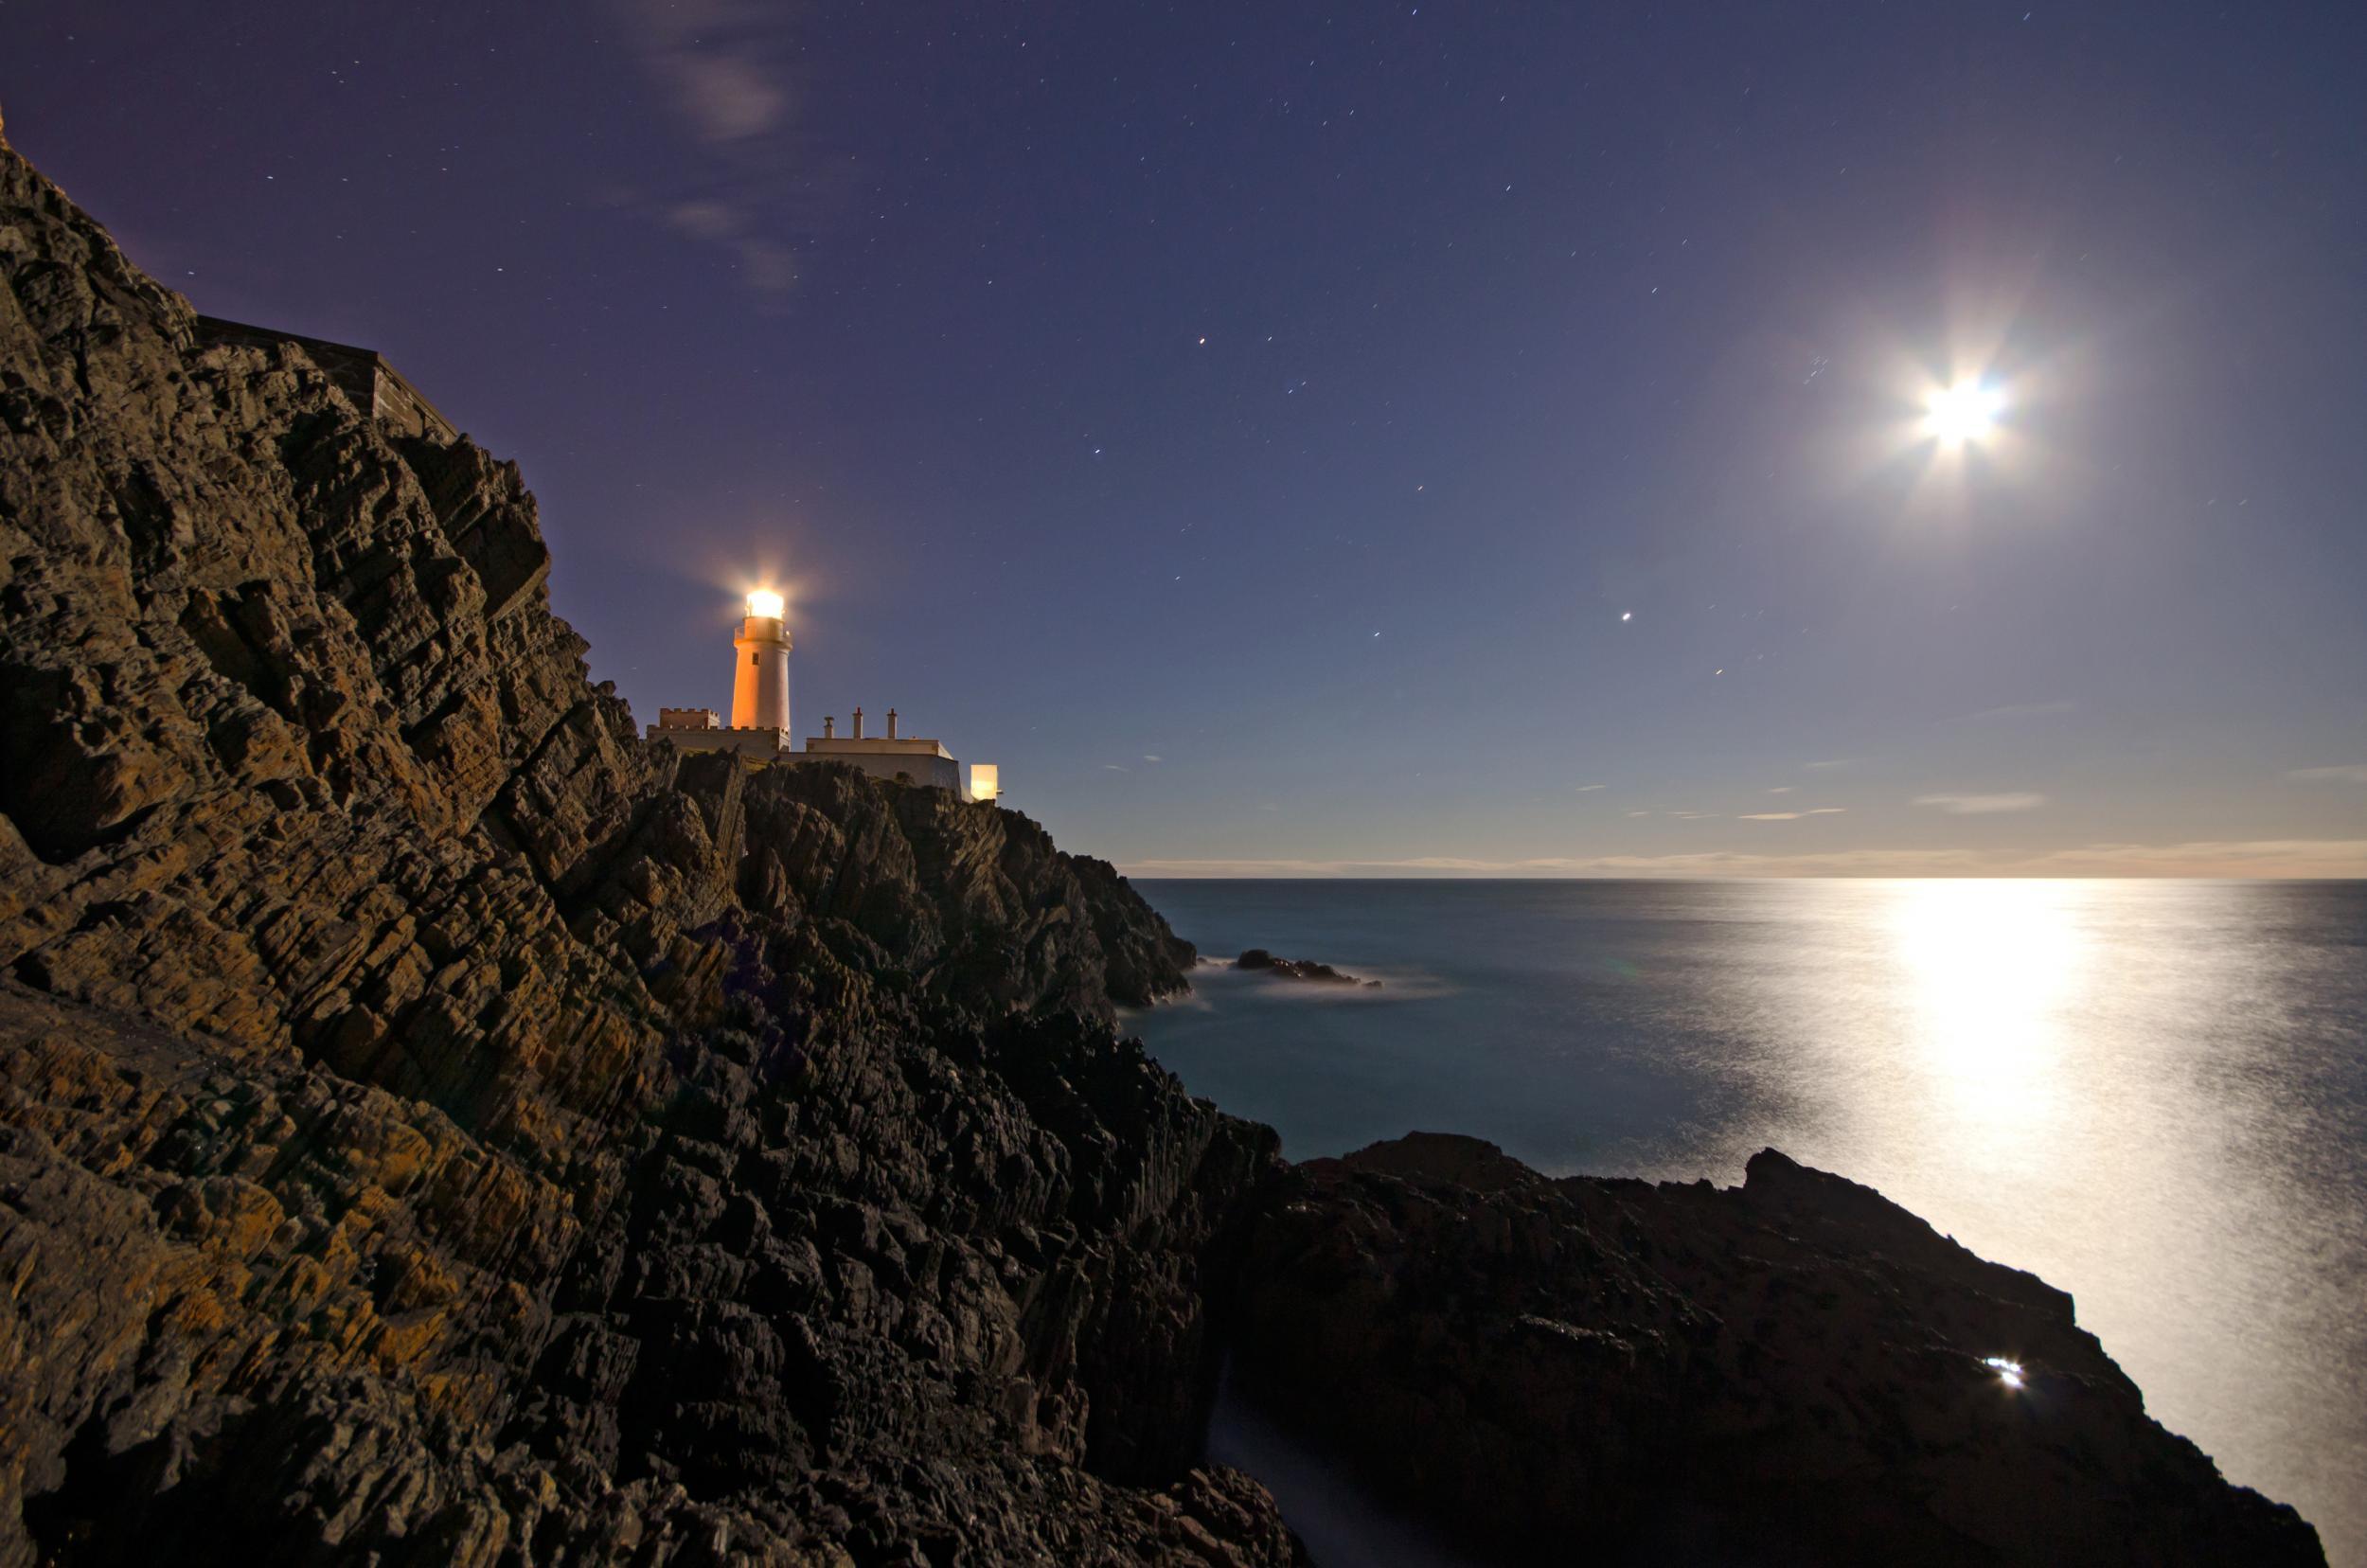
<point>891,723</point>
<point>859,723</point>
<point>829,728</point>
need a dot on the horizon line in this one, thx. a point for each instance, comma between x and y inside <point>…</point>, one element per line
<point>1139,874</point>
<point>2249,859</point>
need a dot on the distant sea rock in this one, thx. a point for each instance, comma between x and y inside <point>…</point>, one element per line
<point>1258,959</point>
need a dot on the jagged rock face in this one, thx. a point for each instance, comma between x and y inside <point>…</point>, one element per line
<point>436,1126</point>
<point>1794,1370</point>
<point>965,897</point>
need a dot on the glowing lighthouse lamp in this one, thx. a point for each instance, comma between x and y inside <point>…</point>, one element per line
<point>760,683</point>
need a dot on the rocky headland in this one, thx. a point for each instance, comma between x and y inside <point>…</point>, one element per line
<point>436,1126</point>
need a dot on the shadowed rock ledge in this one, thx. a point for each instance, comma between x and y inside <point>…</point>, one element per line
<point>435,1127</point>
<point>1792,1371</point>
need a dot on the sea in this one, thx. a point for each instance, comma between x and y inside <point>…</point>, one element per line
<point>2152,1093</point>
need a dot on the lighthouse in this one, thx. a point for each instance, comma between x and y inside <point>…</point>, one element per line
<point>760,726</point>
<point>760,683</point>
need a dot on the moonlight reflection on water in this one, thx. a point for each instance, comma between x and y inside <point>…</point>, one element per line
<point>2151,1094</point>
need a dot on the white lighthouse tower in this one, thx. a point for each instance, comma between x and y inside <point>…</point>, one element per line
<point>760,683</point>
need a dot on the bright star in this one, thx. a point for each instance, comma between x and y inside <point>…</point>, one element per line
<point>1965,412</point>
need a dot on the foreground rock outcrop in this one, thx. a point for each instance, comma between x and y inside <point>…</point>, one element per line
<point>437,1127</point>
<point>1792,1371</point>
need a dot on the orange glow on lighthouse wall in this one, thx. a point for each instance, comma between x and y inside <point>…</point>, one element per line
<point>760,677</point>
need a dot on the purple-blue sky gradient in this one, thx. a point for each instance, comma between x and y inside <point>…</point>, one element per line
<point>1248,424</point>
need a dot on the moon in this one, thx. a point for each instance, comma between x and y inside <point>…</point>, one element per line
<point>1965,412</point>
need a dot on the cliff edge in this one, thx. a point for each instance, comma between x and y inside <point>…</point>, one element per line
<point>436,1126</point>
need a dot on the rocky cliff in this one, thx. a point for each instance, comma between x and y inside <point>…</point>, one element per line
<point>436,1126</point>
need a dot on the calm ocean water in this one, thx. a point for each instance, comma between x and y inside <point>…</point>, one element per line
<point>2152,1093</point>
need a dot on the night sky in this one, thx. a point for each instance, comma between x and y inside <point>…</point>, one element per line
<point>1372,437</point>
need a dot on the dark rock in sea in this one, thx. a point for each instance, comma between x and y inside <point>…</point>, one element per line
<point>437,1127</point>
<point>1298,969</point>
<point>1792,1371</point>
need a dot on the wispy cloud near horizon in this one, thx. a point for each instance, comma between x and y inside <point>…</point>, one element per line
<point>2344,773</point>
<point>2256,858</point>
<point>1984,805</point>
<point>2021,711</point>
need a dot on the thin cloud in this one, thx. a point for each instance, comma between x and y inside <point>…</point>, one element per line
<point>1583,787</point>
<point>1791,816</point>
<point>1113,767</point>
<point>1781,789</point>
<point>726,97</point>
<point>2344,772</point>
<point>721,62</point>
<point>1834,762</point>
<point>2019,710</point>
<point>1984,805</point>
<point>704,220</point>
<point>727,71</point>
<point>1151,758</point>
